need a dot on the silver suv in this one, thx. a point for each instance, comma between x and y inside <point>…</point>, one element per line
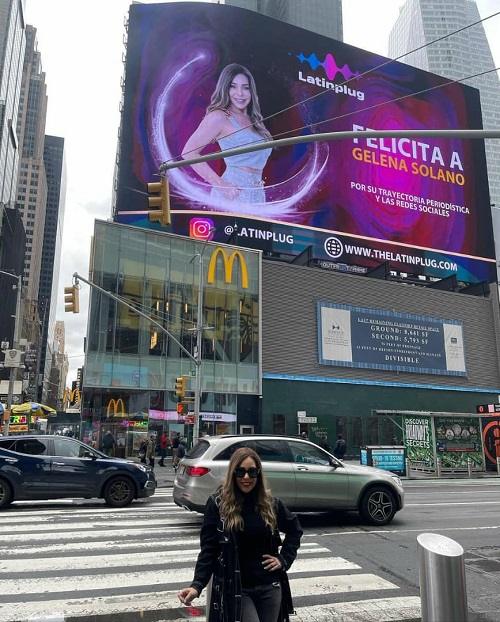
<point>305,476</point>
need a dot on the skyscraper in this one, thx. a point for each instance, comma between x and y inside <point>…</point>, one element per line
<point>53,157</point>
<point>32,182</point>
<point>321,16</point>
<point>464,54</point>
<point>12,46</point>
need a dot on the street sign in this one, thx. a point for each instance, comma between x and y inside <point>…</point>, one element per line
<point>488,408</point>
<point>13,358</point>
<point>301,414</point>
<point>308,419</point>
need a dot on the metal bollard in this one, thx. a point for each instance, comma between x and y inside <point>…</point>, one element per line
<point>438,467</point>
<point>407,464</point>
<point>442,579</point>
<point>469,467</point>
<point>498,465</point>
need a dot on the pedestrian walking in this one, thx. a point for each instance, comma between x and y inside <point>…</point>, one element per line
<point>163,448</point>
<point>108,443</point>
<point>175,448</point>
<point>143,449</point>
<point>340,447</point>
<point>240,546</point>
<point>151,450</point>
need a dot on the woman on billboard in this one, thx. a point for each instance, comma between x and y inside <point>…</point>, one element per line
<point>233,119</point>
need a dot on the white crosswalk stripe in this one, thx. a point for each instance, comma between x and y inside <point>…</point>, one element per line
<point>85,559</point>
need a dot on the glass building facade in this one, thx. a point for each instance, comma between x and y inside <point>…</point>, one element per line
<point>131,363</point>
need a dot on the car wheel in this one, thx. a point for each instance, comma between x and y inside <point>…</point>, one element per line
<point>5,494</point>
<point>378,506</point>
<point>119,492</point>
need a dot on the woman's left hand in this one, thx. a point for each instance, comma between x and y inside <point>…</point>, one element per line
<point>271,563</point>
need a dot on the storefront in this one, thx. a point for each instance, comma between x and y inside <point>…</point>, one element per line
<point>131,364</point>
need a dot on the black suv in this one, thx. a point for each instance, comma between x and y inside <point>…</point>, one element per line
<point>52,467</point>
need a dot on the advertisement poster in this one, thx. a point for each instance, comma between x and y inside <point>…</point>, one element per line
<point>417,436</point>
<point>203,77</point>
<point>457,439</point>
<point>491,441</point>
<point>378,339</point>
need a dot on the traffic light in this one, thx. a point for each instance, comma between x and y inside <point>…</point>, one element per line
<point>182,408</point>
<point>161,199</point>
<point>71,299</point>
<point>180,387</point>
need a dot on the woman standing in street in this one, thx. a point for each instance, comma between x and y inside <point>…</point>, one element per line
<point>240,547</point>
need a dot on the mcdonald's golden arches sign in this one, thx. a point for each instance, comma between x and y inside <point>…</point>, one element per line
<point>115,408</point>
<point>228,259</point>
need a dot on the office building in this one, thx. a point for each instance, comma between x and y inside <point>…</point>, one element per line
<point>32,182</point>
<point>53,156</point>
<point>58,369</point>
<point>321,16</point>
<point>12,46</point>
<point>464,54</point>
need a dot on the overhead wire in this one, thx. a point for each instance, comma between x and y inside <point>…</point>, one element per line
<point>346,82</point>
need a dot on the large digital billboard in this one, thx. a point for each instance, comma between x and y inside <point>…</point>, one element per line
<point>204,77</point>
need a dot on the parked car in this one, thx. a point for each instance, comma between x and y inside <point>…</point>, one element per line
<point>303,475</point>
<point>52,467</point>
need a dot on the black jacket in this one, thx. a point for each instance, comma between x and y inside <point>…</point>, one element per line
<point>219,557</point>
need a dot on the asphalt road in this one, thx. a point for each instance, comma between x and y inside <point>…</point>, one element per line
<point>466,511</point>
<point>79,561</point>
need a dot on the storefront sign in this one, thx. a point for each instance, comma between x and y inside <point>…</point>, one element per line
<point>378,339</point>
<point>18,428</point>
<point>217,417</point>
<point>115,408</point>
<point>417,433</point>
<point>457,440</point>
<point>228,262</point>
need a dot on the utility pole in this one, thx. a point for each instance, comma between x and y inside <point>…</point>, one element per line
<point>15,345</point>
<point>199,332</point>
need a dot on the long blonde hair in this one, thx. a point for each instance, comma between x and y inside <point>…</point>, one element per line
<point>232,498</point>
<point>220,97</point>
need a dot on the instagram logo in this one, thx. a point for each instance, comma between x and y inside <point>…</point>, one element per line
<point>201,228</point>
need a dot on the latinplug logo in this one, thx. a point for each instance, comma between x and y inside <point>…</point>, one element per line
<point>331,70</point>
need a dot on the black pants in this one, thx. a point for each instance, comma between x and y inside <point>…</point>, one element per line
<point>261,603</point>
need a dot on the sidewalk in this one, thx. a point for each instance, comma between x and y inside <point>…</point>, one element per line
<point>165,475</point>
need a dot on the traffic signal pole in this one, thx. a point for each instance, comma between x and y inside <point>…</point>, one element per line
<point>17,328</point>
<point>328,137</point>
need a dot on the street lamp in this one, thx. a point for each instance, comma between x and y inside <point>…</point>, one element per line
<point>10,393</point>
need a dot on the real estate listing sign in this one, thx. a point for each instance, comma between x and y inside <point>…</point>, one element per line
<point>378,339</point>
<point>421,204</point>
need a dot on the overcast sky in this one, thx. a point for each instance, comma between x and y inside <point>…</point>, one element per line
<point>81,44</point>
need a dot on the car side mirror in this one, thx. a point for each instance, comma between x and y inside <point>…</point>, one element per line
<point>334,463</point>
<point>90,454</point>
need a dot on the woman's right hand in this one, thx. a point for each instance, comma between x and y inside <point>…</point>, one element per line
<point>229,191</point>
<point>187,595</point>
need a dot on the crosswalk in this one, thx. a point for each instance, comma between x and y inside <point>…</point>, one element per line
<point>77,560</point>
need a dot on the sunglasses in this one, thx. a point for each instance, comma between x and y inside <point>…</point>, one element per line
<point>252,472</point>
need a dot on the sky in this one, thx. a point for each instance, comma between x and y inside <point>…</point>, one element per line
<point>81,44</point>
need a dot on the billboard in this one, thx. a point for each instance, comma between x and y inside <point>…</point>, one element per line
<point>204,77</point>
<point>378,339</point>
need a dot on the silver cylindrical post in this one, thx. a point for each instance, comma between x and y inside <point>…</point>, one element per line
<point>498,465</point>
<point>408,472</point>
<point>469,467</point>
<point>442,579</point>
<point>438,467</point>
